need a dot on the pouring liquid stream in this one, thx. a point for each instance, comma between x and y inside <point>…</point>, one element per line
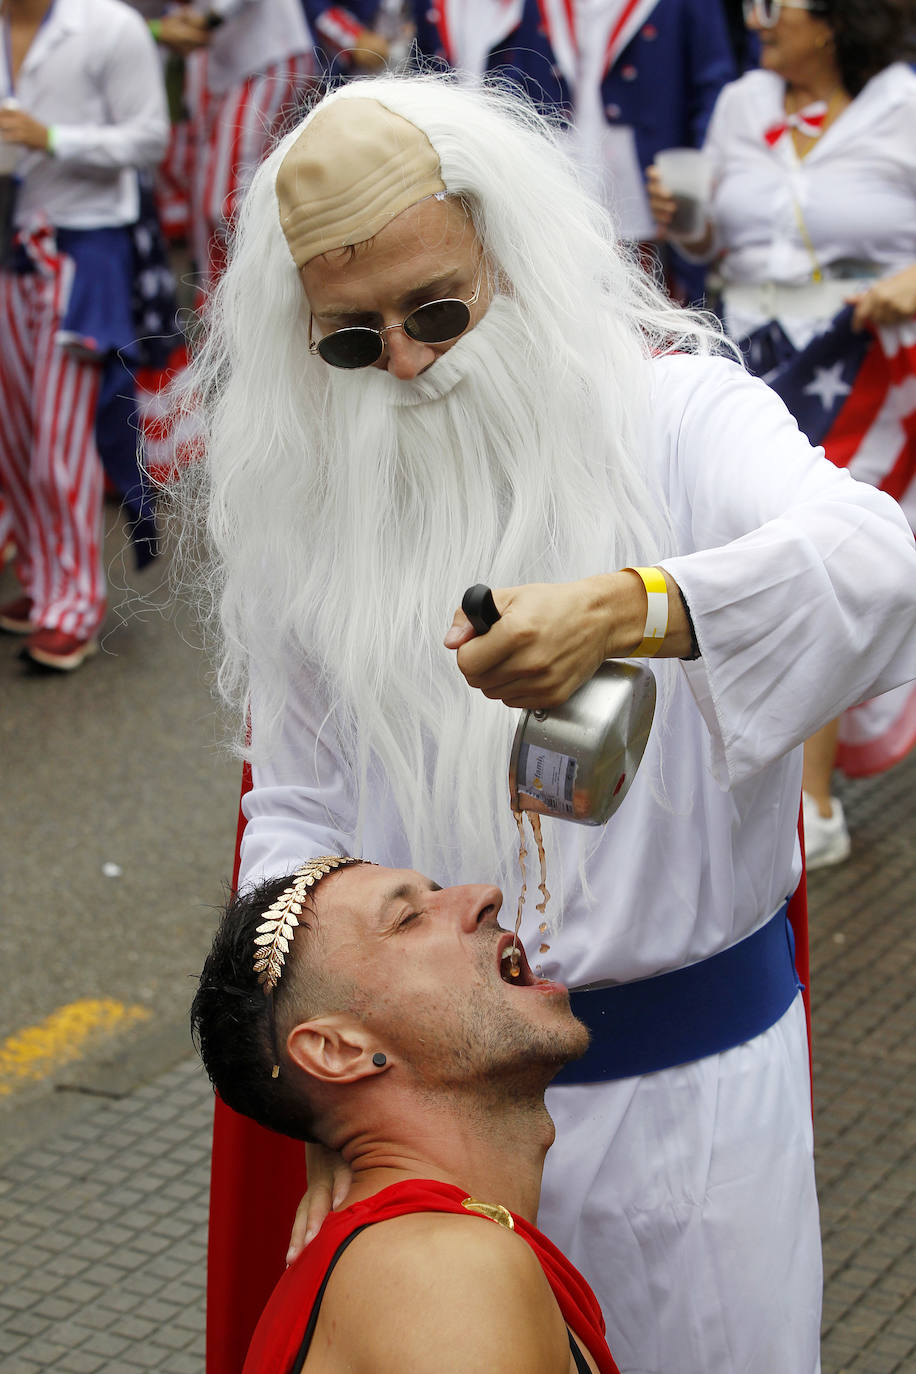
<point>482,612</point>
<point>515,966</point>
<point>535,822</point>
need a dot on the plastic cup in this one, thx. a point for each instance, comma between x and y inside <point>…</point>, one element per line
<point>687,174</point>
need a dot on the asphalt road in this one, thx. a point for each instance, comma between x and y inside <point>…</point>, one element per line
<point>119,801</point>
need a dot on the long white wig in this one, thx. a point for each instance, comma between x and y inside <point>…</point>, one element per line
<point>345,514</point>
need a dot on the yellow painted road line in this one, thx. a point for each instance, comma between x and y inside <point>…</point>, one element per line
<point>65,1035</point>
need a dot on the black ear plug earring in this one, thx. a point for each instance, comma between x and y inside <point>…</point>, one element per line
<point>379,1059</point>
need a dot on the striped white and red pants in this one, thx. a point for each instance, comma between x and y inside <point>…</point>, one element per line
<point>231,134</point>
<point>50,471</point>
<point>173,181</point>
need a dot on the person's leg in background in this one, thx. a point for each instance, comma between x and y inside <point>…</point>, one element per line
<point>826,837</point>
<point>50,469</point>
<point>232,135</point>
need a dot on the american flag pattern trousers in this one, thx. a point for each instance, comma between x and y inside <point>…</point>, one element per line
<point>231,134</point>
<point>50,472</point>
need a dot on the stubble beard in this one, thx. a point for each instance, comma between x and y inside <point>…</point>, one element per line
<point>495,1046</point>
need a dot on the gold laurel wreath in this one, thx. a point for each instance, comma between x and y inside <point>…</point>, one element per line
<point>275,932</point>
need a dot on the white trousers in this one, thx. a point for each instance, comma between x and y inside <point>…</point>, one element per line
<point>687,1199</point>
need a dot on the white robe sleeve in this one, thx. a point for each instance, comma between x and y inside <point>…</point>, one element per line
<point>802,586</point>
<point>302,801</point>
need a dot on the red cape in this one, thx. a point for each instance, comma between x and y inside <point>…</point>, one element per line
<point>249,1225</point>
<point>281,1329</point>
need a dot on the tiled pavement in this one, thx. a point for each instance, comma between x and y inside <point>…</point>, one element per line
<point>102,1222</point>
<point>863,945</point>
<point>102,1237</point>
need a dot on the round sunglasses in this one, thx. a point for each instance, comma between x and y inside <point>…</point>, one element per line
<point>436,322</point>
<point>766,12</point>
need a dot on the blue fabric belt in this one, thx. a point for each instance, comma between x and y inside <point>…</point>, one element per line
<point>689,1013</point>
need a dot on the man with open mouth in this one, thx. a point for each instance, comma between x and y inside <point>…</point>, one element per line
<point>371,1010</point>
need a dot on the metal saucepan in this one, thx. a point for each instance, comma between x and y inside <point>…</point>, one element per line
<point>577,761</point>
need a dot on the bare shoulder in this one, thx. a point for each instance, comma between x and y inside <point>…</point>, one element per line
<point>438,1293</point>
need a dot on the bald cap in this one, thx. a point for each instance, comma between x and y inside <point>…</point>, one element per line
<point>353,167</point>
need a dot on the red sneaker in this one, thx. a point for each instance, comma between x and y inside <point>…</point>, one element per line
<point>15,616</point>
<point>55,649</point>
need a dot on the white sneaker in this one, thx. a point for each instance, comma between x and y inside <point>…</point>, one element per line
<point>826,837</point>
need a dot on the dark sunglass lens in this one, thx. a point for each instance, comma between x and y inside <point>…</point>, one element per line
<point>438,322</point>
<point>351,347</point>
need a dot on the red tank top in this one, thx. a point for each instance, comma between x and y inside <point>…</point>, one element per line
<point>286,1319</point>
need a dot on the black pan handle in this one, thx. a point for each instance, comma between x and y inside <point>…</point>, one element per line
<point>480,608</point>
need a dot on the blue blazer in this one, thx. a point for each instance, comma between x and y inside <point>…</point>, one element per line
<point>363,12</point>
<point>664,83</point>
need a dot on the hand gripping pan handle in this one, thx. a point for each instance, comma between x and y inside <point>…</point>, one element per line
<point>480,608</point>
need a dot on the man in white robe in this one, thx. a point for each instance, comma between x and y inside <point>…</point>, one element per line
<point>579,427</point>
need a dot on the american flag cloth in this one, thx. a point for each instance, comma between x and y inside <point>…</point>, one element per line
<point>854,392</point>
<point>130,374</point>
<point>142,392</point>
<point>170,441</point>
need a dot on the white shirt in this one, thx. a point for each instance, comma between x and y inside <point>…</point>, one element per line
<point>475,28</point>
<point>608,151</point>
<point>856,188</point>
<point>800,582</point>
<point>93,73</point>
<point>256,34</point>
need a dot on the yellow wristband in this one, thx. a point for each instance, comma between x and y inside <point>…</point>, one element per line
<point>657,614</point>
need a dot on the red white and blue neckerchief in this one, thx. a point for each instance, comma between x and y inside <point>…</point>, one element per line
<point>808,121</point>
<point>624,19</point>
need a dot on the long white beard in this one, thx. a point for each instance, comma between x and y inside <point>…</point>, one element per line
<point>493,466</point>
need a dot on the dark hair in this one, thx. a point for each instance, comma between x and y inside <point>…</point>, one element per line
<point>869,36</point>
<point>232,1021</point>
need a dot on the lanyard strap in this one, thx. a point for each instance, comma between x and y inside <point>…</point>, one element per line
<point>816,270</point>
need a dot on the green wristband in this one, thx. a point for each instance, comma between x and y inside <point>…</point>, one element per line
<point>51,144</point>
<point>155,28</point>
